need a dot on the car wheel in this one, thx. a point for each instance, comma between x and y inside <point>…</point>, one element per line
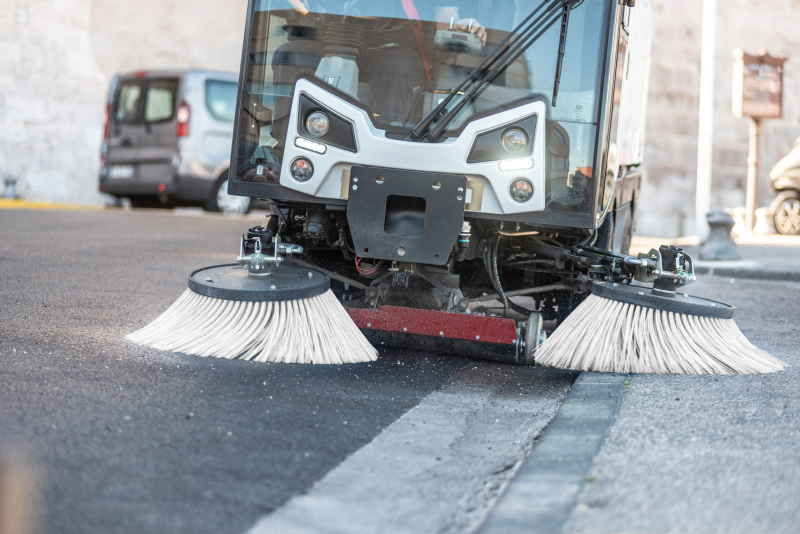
<point>221,201</point>
<point>786,213</point>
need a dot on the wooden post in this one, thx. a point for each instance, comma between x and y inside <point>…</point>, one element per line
<point>751,198</point>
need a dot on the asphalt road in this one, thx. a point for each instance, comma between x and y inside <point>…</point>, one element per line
<point>132,440</point>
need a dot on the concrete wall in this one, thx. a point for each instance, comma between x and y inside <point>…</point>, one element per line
<point>667,204</point>
<point>57,56</point>
<point>56,59</point>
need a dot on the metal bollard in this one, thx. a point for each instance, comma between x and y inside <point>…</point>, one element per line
<point>720,245</point>
<point>10,191</point>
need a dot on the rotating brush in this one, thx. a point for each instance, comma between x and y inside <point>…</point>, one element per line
<point>623,328</point>
<point>259,310</point>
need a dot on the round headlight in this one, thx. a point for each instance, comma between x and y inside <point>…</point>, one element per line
<point>514,140</point>
<point>521,190</point>
<point>318,123</point>
<point>301,169</point>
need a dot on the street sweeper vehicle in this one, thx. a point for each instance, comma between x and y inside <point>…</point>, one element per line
<point>451,176</point>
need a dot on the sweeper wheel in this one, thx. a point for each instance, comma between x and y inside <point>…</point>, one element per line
<point>534,336</point>
<point>680,303</point>
<point>284,282</point>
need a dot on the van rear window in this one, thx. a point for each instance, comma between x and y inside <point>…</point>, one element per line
<point>156,96</point>
<point>160,103</point>
<point>221,99</point>
<point>128,102</point>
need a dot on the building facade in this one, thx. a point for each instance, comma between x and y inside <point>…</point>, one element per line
<point>57,57</point>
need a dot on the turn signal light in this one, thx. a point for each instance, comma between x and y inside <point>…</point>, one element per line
<point>521,190</point>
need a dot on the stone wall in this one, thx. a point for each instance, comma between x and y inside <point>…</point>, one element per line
<point>56,60</point>
<point>667,203</point>
<point>57,57</point>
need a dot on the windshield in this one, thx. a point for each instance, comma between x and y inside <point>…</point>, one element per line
<point>397,60</point>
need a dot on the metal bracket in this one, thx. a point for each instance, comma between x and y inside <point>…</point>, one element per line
<point>652,270</point>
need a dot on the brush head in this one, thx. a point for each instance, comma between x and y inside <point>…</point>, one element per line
<point>281,283</point>
<point>645,297</point>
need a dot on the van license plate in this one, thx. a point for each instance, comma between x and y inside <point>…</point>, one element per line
<point>120,171</point>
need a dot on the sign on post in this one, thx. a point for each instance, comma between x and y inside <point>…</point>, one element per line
<point>757,86</point>
<point>757,94</point>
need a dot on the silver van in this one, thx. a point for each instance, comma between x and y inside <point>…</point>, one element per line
<point>167,139</point>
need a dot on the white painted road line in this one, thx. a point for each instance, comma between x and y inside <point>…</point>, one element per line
<point>440,467</point>
<point>541,496</point>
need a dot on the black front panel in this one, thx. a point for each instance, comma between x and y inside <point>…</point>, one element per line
<point>405,215</point>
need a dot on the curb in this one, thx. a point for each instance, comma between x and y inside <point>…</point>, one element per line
<point>13,204</point>
<point>751,274</point>
<point>540,497</point>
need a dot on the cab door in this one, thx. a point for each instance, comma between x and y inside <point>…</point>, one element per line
<point>126,130</point>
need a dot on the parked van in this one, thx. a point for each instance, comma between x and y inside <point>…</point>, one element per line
<point>167,139</point>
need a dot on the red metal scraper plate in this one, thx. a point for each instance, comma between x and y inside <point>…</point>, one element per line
<point>436,323</point>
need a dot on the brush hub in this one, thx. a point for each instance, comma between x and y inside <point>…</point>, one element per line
<point>677,302</point>
<point>284,282</point>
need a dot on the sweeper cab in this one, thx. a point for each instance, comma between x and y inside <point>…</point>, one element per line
<point>462,171</point>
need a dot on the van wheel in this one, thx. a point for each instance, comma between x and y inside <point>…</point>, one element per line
<point>219,199</point>
<point>786,213</point>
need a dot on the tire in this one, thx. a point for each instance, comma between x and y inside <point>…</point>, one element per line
<point>785,211</point>
<point>220,201</point>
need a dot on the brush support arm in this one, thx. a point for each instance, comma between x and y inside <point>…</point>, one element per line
<point>667,267</point>
<point>260,251</point>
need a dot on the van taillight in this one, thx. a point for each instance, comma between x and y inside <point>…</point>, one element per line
<point>183,119</point>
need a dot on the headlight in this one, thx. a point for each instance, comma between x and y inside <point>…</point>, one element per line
<point>318,123</point>
<point>301,169</point>
<point>514,140</point>
<point>521,190</point>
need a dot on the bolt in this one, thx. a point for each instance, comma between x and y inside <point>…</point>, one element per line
<point>477,337</point>
<point>369,325</point>
<point>272,287</point>
<point>405,329</point>
<point>208,279</point>
<point>310,274</point>
<point>441,333</point>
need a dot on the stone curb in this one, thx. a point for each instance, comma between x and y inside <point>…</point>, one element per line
<point>542,494</point>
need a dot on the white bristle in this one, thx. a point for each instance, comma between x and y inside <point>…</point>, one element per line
<point>313,330</point>
<point>609,336</point>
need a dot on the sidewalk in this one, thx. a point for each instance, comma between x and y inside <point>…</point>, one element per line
<point>771,257</point>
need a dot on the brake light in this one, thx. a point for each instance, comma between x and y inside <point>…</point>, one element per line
<point>183,119</point>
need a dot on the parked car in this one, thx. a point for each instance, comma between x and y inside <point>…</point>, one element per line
<point>167,139</point>
<point>785,180</point>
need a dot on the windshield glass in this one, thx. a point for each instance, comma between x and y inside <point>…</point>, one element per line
<point>399,58</point>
